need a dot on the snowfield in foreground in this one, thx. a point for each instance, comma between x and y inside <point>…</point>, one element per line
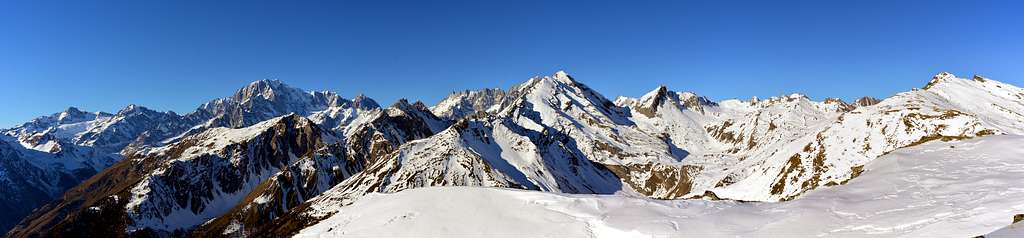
<point>939,189</point>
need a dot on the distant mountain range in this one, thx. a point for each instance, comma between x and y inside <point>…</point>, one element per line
<point>270,159</point>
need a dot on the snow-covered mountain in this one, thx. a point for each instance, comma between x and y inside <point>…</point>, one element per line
<point>271,159</point>
<point>74,144</point>
<point>161,190</point>
<point>369,139</point>
<point>947,189</point>
<point>265,99</point>
<point>466,103</point>
<point>776,149</point>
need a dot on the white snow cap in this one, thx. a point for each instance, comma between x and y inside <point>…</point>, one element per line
<point>940,77</point>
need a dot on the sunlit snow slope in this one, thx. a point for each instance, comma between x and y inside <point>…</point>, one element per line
<point>938,189</point>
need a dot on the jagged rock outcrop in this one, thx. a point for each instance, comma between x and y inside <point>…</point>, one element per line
<point>866,101</point>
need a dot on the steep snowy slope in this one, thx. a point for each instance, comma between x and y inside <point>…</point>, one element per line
<point>948,109</point>
<point>601,130</point>
<point>471,153</point>
<point>939,189</point>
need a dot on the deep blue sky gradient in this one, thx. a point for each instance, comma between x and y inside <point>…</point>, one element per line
<point>175,55</point>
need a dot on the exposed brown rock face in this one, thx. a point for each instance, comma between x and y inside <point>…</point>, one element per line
<point>979,78</point>
<point>671,181</point>
<point>650,107</point>
<point>866,101</point>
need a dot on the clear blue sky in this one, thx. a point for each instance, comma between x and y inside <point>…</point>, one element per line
<point>174,55</point>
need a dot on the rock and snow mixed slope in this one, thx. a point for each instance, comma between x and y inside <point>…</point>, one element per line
<point>939,189</point>
<point>777,149</point>
<point>224,181</point>
<point>167,189</point>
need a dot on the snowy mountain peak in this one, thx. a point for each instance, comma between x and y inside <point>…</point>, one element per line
<point>940,77</point>
<point>662,95</point>
<point>363,102</point>
<point>562,74</point>
<point>660,91</point>
<point>838,105</point>
<point>775,100</point>
<point>834,100</point>
<point>132,109</point>
<point>264,99</point>
<point>266,89</point>
<point>74,115</point>
<point>70,112</point>
<point>464,103</point>
<point>649,103</point>
<point>561,77</point>
<point>403,107</point>
<point>402,103</point>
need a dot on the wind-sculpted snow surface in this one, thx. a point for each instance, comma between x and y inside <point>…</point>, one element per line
<point>939,189</point>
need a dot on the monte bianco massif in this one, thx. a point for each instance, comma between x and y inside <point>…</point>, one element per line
<point>549,157</point>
